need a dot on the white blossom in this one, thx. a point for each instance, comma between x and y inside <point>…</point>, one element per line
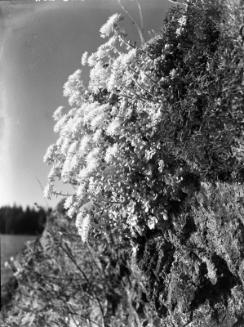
<point>112,42</point>
<point>116,75</point>
<point>182,20</point>
<point>98,77</point>
<point>97,135</point>
<point>113,127</point>
<point>73,88</point>
<point>83,225</point>
<point>109,26</point>
<point>92,164</point>
<point>66,169</point>
<point>65,145</point>
<point>83,174</point>
<point>97,121</point>
<point>128,58</point>
<point>54,172</point>
<point>84,144</point>
<point>72,148</point>
<point>104,52</point>
<point>132,220</point>
<point>77,126</point>
<point>50,153</point>
<point>178,31</point>
<point>81,190</point>
<point>60,123</point>
<point>149,153</point>
<point>74,162</point>
<point>93,186</point>
<point>94,114</point>
<point>160,166</point>
<point>84,58</point>
<point>119,70</point>
<point>172,73</point>
<point>92,160</point>
<point>92,60</point>
<point>164,215</point>
<point>58,113</point>
<point>71,211</point>
<point>152,221</point>
<point>68,202</point>
<point>182,23</point>
<point>111,152</point>
<point>48,191</point>
<point>83,220</point>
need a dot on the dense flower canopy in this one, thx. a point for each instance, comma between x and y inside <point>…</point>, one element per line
<point>133,131</point>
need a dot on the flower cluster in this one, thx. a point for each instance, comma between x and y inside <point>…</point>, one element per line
<point>146,116</point>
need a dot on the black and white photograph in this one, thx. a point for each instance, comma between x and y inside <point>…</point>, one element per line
<point>122,163</point>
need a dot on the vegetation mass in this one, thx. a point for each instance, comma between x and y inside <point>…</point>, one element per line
<point>152,233</point>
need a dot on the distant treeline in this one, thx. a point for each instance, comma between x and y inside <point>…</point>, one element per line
<point>16,220</point>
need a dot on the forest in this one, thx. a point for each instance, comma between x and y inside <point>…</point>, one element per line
<point>17,220</point>
<point>152,233</point>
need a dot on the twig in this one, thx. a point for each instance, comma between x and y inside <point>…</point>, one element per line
<point>134,71</point>
<point>42,190</point>
<point>139,31</point>
<point>140,14</point>
<point>67,250</point>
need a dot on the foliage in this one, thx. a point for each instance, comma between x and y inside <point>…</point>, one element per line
<point>60,282</point>
<point>190,275</point>
<point>151,115</point>
<point>153,149</point>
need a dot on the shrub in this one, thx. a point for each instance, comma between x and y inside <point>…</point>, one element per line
<point>152,147</point>
<point>150,116</point>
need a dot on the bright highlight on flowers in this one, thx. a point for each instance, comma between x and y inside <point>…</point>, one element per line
<point>108,28</point>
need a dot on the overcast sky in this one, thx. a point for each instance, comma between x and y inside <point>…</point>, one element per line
<point>41,43</point>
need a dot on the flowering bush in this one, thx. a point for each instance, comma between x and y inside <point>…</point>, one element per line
<point>149,115</point>
<point>152,148</point>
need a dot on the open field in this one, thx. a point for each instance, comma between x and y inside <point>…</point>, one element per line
<point>11,245</point>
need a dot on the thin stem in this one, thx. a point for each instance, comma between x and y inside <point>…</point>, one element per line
<point>70,255</point>
<point>139,31</point>
<point>42,190</point>
<point>134,71</point>
<point>140,14</point>
<point>57,193</point>
<point>123,39</point>
<point>137,83</point>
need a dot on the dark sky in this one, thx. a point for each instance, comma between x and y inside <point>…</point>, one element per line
<point>41,45</point>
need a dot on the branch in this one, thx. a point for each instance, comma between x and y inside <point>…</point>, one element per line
<point>68,251</point>
<point>134,71</point>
